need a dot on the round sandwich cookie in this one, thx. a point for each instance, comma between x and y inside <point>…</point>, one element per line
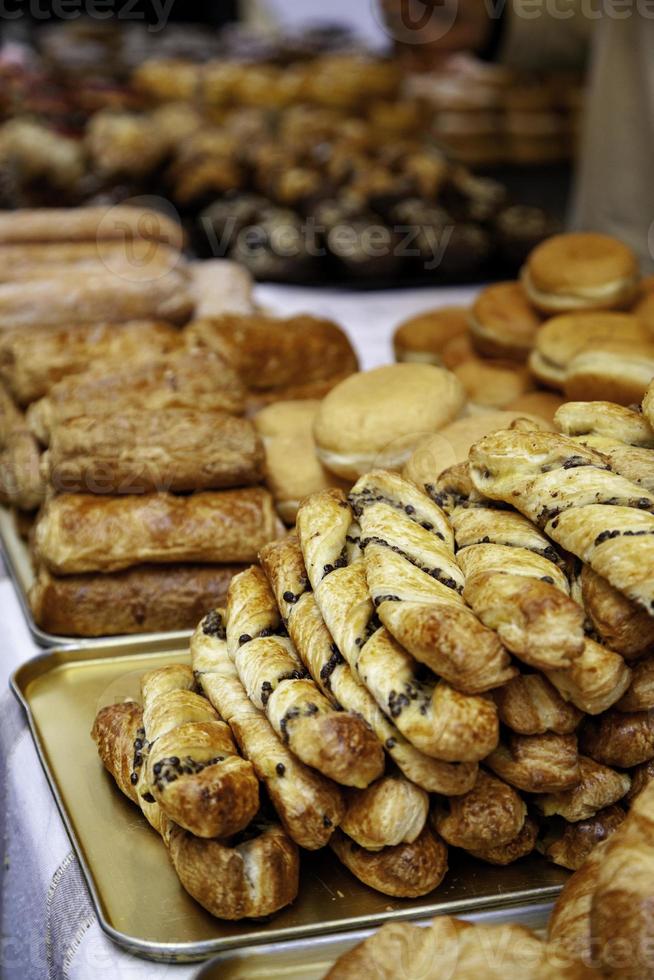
<point>503,323</point>
<point>561,338</point>
<point>375,418</point>
<point>492,384</point>
<point>581,271</point>
<point>423,338</point>
<point>615,371</point>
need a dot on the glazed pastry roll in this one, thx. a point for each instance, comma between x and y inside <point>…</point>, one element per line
<point>520,846</point>
<point>639,696</point>
<point>594,681</point>
<point>40,260</point>
<point>309,806</point>
<point>537,763</point>
<point>530,705</point>
<point>403,871</point>
<point>569,845</point>
<point>101,295</point>
<point>32,361</point>
<point>145,599</point>
<point>136,451</point>
<point>619,738</point>
<point>252,877</point>
<point>569,924</point>
<point>389,812</point>
<point>641,777</point>
<point>78,533</point>
<point>21,482</point>
<point>620,623</point>
<point>599,787</point>
<point>88,224</point>
<point>491,814</point>
<point>187,379</point>
<point>605,419</point>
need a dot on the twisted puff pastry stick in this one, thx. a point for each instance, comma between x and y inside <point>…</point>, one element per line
<point>568,490</point>
<point>231,881</point>
<point>308,805</point>
<point>192,768</point>
<point>339,745</point>
<point>284,565</point>
<point>515,584</point>
<point>416,584</point>
<point>615,620</point>
<point>434,717</point>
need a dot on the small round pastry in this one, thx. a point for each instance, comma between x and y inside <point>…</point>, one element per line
<point>492,384</point>
<point>543,404</point>
<point>561,338</point>
<point>581,271</point>
<point>503,323</point>
<point>616,371</point>
<point>423,337</point>
<point>376,418</point>
<point>457,351</point>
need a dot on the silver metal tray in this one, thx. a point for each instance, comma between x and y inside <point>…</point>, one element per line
<point>137,896</point>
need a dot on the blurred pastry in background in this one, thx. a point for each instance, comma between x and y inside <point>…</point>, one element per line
<point>423,337</point>
<point>503,323</point>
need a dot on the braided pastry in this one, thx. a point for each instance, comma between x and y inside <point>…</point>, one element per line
<point>283,563</point>
<point>537,763</point>
<point>434,717</point>
<point>491,814</point>
<point>530,705</point>
<point>256,877</point>
<point>391,811</point>
<point>568,490</point>
<point>404,871</point>
<point>570,847</point>
<point>192,768</point>
<point>339,745</point>
<point>416,584</point>
<point>619,739</point>
<point>597,788</point>
<point>309,806</point>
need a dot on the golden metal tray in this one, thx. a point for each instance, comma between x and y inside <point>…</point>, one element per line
<point>137,896</point>
<point>21,572</point>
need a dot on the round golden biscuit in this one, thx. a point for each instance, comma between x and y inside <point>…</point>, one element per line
<point>376,418</point>
<point>492,384</point>
<point>503,323</point>
<point>580,271</point>
<point>423,338</point>
<point>616,371</point>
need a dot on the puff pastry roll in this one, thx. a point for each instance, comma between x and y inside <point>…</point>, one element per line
<point>639,696</point>
<point>530,705</point>
<point>192,767</point>
<point>339,744</point>
<point>404,871</point>
<point>641,777</point>
<point>616,620</point>
<point>284,565</point>
<point>520,846</point>
<point>21,482</point>
<point>11,418</point>
<point>598,787</point>
<point>619,738</point>
<point>438,720</point>
<point>648,405</point>
<point>88,224</point>
<point>570,845</point>
<point>537,763</point>
<point>569,924</point>
<point>491,814</point>
<point>32,361</point>
<point>567,489</point>
<point>135,451</point>
<point>389,812</point>
<point>308,805</point>
<point>77,533</point>
<point>41,260</point>
<point>416,584</point>
<point>145,599</point>
<point>187,379</point>
<point>605,419</point>
<point>252,877</point>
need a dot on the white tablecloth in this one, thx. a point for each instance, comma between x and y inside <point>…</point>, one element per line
<point>48,927</point>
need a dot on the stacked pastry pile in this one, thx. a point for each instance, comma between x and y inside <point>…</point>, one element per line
<point>579,324</point>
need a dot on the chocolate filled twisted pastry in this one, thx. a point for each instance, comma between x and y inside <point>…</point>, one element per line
<point>416,584</point>
<point>337,743</point>
<point>502,854</point>
<point>389,812</point>
<point>568,490</point>
<point>598,787</point>
<point>192,767</point>
<point>284,565</point>
<point>621,920</point>
<point>606,420</point>
<point>569,844</point>
<point>491,814</point>
<point>569,924</point>
<point>254,877</point>
<point>639,696</point>
<point>617,621</point>
<point>404,871</point>
<point>308,805</point>
<point>619,738</point>
<point>537,763</point>
<point>436,719</point>
<point>530,705</point>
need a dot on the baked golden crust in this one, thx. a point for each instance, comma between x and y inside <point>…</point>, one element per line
<point>619,371</point>
<point>502,854</point>
<point>598,787</point>
<point>192,768</point>
<point>569,923</point>
<point>32,361</point>
<point>193,379</point>
<point>135,451</point>
<point>88,224</point>
<point>404,871</point>
<point>338,744</point>
<point>389,812</point>
<point>491,814</point>
<point>11,418</point>
<point>502,322</point>
<point>641,776</point>
<point>423,337</point>
<point>439,721</point>
<point>594,681</point>
<point>570,845</point>
<point>604,418</point>
<point>21,481</point>
<point>308,805</point>
<point>145,599</point>
<point>639,696</point>
<point>618,738</point>
<point>530,705</point>
<point>621,624</point>
<point>78,533</point>
<point>537,763</point>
